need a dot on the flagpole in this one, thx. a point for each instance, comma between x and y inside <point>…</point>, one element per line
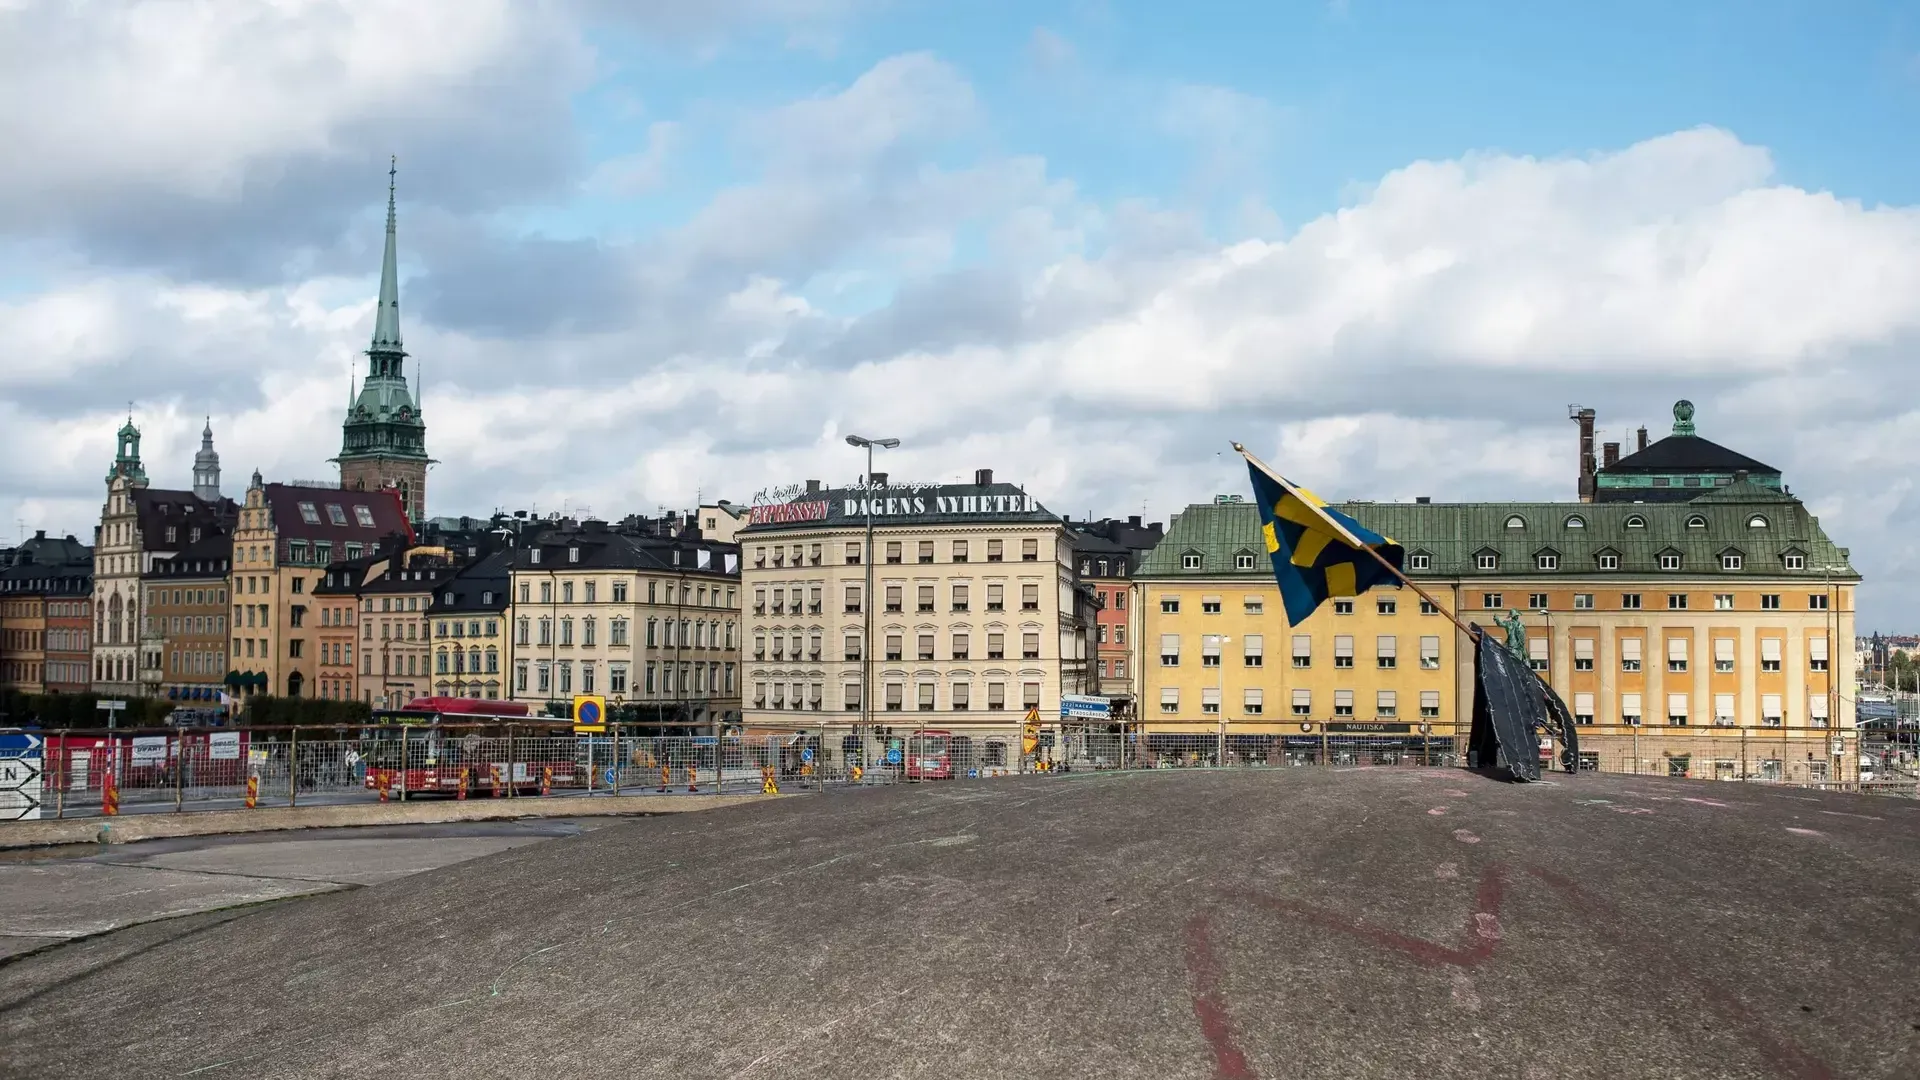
<point>1368,548</point>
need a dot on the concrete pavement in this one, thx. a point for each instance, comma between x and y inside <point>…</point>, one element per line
<point>52,896</point>
<point>1283,923</point>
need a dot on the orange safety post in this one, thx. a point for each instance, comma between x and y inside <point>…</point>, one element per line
<point>693,779</point>
<point>858,772</point>
<point>461,793</point>
<point>767,784</point>
<point>498,790</point>
<point>546,780</point>
<point>666,777</point>
<point>382,780</point>
<point>253,790</point>
<point>109,796</point>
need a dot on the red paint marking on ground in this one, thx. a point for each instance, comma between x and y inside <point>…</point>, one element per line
<point>1482,930</point>
<point>1210,1002</point>
<point>1789,1060</point>
<point>1465,837</point>
<point>1437,811</point>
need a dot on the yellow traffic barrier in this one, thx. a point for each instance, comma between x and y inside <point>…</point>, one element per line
<point>462,792</point>
<point>110,796</point>
<point>666,776</point>
<point>546,780</point>
<point>693,779</point>
<point>494,779</point>
<point>253,790</point>
<point>767,784</point>
<point>858,772</point>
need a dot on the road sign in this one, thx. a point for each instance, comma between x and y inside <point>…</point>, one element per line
<point>893,755</point>
<point>589,714</point>
<point>608,776</point>
<point>109,705</point>
<point>806,755</point>
<point>20,776</point>
<point>1085,707</point>
<point>1030,732</point>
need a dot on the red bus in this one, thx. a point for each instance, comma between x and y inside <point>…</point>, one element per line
<point>426,745</point>
<point>930,755</point>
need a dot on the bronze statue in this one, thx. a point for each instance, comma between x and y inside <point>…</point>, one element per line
<point>1516,634</point>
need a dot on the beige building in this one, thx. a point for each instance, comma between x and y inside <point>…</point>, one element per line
<point>974,612</point>
<point>650,623</point>
<point>287,536</point>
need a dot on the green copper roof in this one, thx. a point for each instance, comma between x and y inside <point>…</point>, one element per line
<point>386,321</point>
<point>1763,529</point>
<point>383,419</point>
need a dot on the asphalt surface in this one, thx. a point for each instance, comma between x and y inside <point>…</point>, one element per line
<point>48,896</point>
<point>1236,924</point>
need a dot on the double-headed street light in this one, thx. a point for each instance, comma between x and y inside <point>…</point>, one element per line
<point>866,598</point>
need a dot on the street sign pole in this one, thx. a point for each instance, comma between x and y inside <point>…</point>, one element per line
<point>112,708</point>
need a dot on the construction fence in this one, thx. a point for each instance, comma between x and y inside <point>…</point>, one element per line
<point>94,772</point>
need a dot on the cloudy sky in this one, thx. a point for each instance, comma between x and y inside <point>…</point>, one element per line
<point>656,250</point>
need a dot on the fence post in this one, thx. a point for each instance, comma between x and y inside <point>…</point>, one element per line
<point>59,776</point>
<point>179,767</point>
<point>617,759</point>
<point>510,761</point>
<point>1636,749</point>
<point>1323,745</point>
<point>293,767</point>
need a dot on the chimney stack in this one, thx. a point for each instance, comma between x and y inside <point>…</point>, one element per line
<point>1422,500</point>
<point>1584,417</point>
<point>1642,439</point>
<point>813,487</point>
<point>878,479</point>
<point>1609,454</point>
<point>1133,520</point>
<point>982,477</point>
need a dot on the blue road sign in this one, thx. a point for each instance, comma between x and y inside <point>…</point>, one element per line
<point>589,714</point>
<point>20,744</point>
<point>893,755</point>
<point>806,755</point>
<point>608,776</point>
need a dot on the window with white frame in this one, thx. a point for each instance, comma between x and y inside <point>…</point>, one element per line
<point>1817,654</point>
<point>1817,710</point>
<point>1630,709</point>
<point>1430,652</point>
<point>1254,650</point>
<point>1609,561</point>
<point>1169,699</point>
<point>1677,710</point>
<point>1730,561</point>
<point>1190,561</point>
<point>1723,710</point>
<point>1243,561</point>
<point>1630,654</point>
<point>1770,712</point>
<point>1770,648</point>
<point>1343,703</point>
<point>1254,701</point>
<point>1420,562</point>
<point>1723,654</point>
<point>1583,708</point>
<point>1343,650</point>
<point>1386,651</point>
<point>1583,654</point>
<point>1302,651</point>
<point>1429,704</point>
<point>1486,560</point>
<point>1677,654</point>
<point>1169,650</point>
<point>1537,657</point>
<point>1669,561</point>
<point>1210,700</point>
<point>1546,561</point>
<point>1386,703</point>
<point>1303,703</point>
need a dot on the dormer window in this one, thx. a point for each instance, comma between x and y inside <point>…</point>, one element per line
<point>1795,562</point>
<point>1546,560</point>
<point>335,514</point>
<point>1576,522</point>
<point>1486,560</point>
<point>1730,561</point>
<point>1609,560</point>
<point>1669,560</point>
<point>1515,521</point>
<point>309,514</point>
<point>573,554</point>
<point>533,556</point>
<point>1636,522</point>
<point>1420,561</point>
<point>1190,561</point>
<point>1696,522</point>
<point>446,598</point>
<point>1757,521</point>
<point>364,516</point>
<point>1243,560</point>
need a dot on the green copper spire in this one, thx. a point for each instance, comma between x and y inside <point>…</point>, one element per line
<point>386,323</point>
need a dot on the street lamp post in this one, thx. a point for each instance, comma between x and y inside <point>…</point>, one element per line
<point>866,597</point>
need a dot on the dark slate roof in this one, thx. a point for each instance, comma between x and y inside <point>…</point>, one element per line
<point>42,579</point>
<point>1687,453</point>
<point>343,576</point>
<point>602,549</point>
<point>48,551</point>
<point>471,585</point>
<point>212,556</point>
<point>159,508</point>
<point>909,505</point>
<point>1452,534</point>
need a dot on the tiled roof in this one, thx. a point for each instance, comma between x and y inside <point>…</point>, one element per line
<point>159,508</point>
<point>384,516</point>
<point>1453,534</point>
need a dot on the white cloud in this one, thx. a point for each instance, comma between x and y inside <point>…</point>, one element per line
<point>1422,340</point>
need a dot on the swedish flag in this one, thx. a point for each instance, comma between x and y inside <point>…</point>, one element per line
<point>1317,551</point>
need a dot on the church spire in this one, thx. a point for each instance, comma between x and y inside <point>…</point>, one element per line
<point>206,467</point>
<point>386,323</point>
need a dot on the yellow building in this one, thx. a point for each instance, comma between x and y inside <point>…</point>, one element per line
<point>1217,650</point>
<point>1691,635</point>
<point>286,537</point>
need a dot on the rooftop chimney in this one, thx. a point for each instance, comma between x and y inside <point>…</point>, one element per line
<point>878,479</point>
<point>1609,454</point>
<point>1423,500</point>
<point>983,477</point>
<point>1642,436</point>
<point>813,487</point>
<point>1133,520</point>
<point>1584,417</point>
